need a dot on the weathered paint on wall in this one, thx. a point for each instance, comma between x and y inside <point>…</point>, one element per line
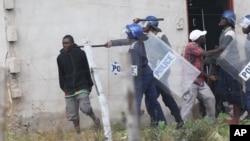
<point>241,9</point>
<point>40,27</point>
<point>3,77</point>
<point>41,24</point>
<point>3,45</point>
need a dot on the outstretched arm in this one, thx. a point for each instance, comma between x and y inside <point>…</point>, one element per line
<point>117,42</point>
<point>213,52</point>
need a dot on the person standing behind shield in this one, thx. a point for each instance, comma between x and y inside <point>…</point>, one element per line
<point>245,25</point>
<point>151,25</point>
<point>229,89</point>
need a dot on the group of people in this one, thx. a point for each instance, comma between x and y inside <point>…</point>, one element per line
<point>136,35</point>
<point>229,96</point>
<point>75,79</point>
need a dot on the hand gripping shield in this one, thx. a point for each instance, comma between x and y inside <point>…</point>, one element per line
<point>235,59</point>
<point>171,69</point>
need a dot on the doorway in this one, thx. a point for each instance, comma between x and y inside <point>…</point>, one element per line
<point>205,15</point>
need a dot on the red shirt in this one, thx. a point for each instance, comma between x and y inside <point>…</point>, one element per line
<point>193,53</point>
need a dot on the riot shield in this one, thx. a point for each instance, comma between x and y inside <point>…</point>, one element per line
<point>235,59</point>
<point>171,69</point>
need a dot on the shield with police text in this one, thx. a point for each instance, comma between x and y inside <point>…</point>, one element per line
<point>170,69</point>
<point>235,59</point>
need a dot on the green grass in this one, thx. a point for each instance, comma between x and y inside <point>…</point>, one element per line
<point>198,130</point>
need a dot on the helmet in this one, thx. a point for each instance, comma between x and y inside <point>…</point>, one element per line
<point>134,31</point>
<point>245,21</point>
<point>230,16</point>
<point>151,21</point>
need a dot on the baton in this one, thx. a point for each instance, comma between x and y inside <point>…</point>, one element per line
<point>94,46</point>
<point>158,19</point>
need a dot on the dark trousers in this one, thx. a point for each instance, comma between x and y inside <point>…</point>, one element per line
<point>167,98</point>
<point>145,84</point>
<point>247,101</point>
<point>230,90</point>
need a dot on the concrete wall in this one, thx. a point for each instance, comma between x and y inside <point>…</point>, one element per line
<point>41,24</point>
<point>3,45</point>
<point>241,9</point>
<point>3,77</point>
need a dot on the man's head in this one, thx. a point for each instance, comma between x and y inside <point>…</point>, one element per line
<point>68,42</point>
<point>198,36</point>
<point>245,24</point>
<point>228,18</point>
<point>151,24</point>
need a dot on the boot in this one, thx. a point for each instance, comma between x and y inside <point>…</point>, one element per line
<point>235,116</point>
<point>97,124</point>
<point>96,120</point>
<point>179,121</point>
<point>77,126</point>
<point>153,122</point>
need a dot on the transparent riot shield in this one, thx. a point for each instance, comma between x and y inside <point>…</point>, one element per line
<point>171,69</point>
<point>235,59</point>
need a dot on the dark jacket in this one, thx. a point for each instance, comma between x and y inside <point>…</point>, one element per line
<point>139,57</point>
<point>74,72</point>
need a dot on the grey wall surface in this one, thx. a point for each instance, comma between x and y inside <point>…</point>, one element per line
<point>241,9</point>
<point>3,45</point>
<point>40,26</point>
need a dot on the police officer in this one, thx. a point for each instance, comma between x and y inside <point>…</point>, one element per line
<point>151,25</point>
<point>245,25</point>
<point>143,75</point>
<point>228,90</point>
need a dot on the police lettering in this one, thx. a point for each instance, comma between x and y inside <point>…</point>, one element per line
<point>245,73</point>
<point>164,65</point>
<point>116,68</point>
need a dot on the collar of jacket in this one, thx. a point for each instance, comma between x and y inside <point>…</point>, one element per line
<point>74,48</point>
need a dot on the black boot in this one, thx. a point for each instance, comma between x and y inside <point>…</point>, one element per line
<point>179,121</point>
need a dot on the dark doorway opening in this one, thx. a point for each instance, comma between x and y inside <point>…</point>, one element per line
<point>205,15</point>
